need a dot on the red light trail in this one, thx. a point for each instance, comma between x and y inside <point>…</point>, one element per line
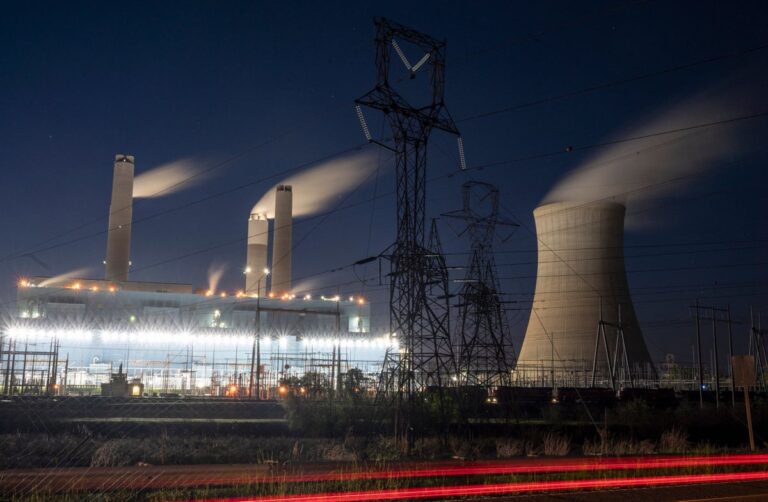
<point>528,466</point>
<point>508,488</point>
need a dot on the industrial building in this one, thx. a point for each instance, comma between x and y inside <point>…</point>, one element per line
<point>173,338</point>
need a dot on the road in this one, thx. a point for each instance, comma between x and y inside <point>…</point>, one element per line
<point>718,492</point>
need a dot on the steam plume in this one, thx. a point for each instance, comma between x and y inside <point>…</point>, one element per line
<point>639,172</point>
<point>74,274</point>
<point>167,179</point>
<point>317,188</point>
<point>215,271</point>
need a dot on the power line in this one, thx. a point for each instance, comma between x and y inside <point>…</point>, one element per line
<point>570,149</point>
<point>613,83</point>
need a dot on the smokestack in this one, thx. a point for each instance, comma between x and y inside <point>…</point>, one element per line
<point>580,267</point>
<point>120,216</point>
<point>256,258</point>
<point>281,245</point>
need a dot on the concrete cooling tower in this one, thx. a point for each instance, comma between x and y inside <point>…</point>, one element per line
<point>118,257</point>
<point>256,256</point>
<point>580,273</point>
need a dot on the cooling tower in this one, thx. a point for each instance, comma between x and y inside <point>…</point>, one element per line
<point>281,242</point>
<point>256,258</point>
<point>580,271</point>
<point>120,215</point>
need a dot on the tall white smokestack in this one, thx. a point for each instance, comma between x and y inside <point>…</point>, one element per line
<point>281,246</point>
<point>120,216</point>
<point>580,267</point>
<point>256,258</point>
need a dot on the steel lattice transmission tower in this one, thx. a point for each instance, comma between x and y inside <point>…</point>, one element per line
<point>419,283</point>
<point>486,353</point>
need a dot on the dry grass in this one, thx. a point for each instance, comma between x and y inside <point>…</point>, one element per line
<point>506,448</point>
<point>674,441</point>
<point>555,445</point>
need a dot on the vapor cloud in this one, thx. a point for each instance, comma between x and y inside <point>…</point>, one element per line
<point>215,272</point>
<point>639,173</point>
<point>318,187</point>
<point>80,273</point>
<point>167,179</point>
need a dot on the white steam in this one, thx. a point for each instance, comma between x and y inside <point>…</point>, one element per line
<point>318,187</point>
<point>637,173</point>
<point>62,278</point>
<point>215,272</point>
<point>167,179</point>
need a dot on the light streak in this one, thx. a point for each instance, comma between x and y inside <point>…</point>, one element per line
<point>528,467</point>
<point>509,488</point>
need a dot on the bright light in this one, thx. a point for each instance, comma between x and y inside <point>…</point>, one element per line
<point>223,294</point>
<point>247,270</point>
<point>209,292</point>
<point>239,294</point>
<point>266,271</point>
<point>136,390</point>
<point>351,298</point>
<point>94,288</point>
<point>360,301</point>
<point>23,283</point>
<point>111,289</point>
<point>307,297</point>
<point>282,390</point>
<point>76,285</point>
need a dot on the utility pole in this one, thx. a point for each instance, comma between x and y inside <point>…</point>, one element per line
<point>418,285</point>
<point>715,351</point>
<point>717,362</point>
<point>256,350</point>
<point>730,359</point>
<point>698,347</point>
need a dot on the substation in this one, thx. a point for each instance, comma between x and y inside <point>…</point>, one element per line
<point>81,336</point>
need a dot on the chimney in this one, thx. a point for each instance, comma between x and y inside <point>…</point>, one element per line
<point>281,245</point>
<point>256,257</point>
<point>120,216</point>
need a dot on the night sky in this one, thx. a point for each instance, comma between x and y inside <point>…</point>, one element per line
<point>250,89</point>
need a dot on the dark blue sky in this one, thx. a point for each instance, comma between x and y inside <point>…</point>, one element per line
<point>80,82</point>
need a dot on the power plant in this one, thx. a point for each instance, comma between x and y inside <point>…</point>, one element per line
<point>582,327</point>
<point>171,337</point>
<point>582,315</point>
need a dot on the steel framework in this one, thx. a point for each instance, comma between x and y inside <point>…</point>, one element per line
<point>486,352</point>
<point>418,286</point>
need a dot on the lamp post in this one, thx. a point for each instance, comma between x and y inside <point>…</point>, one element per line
<point>256,352</point>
